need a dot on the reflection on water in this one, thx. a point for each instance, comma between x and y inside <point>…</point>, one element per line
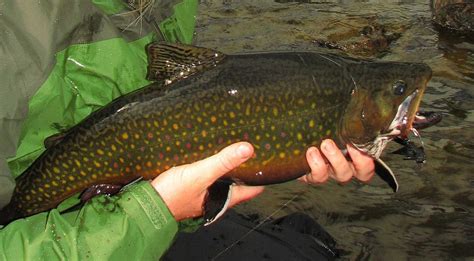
<point>431,217</point>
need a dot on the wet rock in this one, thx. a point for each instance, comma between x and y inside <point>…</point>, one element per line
<point>369,40</point>
<point>454,15</point>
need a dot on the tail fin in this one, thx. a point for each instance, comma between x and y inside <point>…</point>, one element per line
<point>7,215</point>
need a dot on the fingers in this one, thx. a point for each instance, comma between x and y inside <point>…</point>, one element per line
<point>342,169</point>
<point>244,193</point>
<point>208,170</point>
<point>319,168</point>
<point>363,164</point>
<point>337,166</point>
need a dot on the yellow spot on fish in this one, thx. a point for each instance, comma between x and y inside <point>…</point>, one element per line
<point>213,119</point>
<point>65,165</point>
<point>108,175</point>
<point>275,111</point>
<point>71,178</point>
<point>54,183</point>
<point>156,124</point>
<point>121,160</point>
<point>201,147</point>
<point>281,155</point>
<point>149,164</point>
<point>83,173</point>
<point>78,163</point>
<point>225,122</point>
<point>204,133</point>
<point>56,170</point>
<point>46,195</point>
<point>297,152</point>
<point>328,132</point>
<point>168,148</point>
<point>199,119</point>
<point>175,126</point>
<point>27,197</point>
<point>136,136</point>
<point>299,137</point>
<point>278,145</point>
<point>178,143</point>
<point>124,135</point>
<point>97,164</point>
<point>231,114</point>
<point>247,110</point>
<point>320,127</point>
<point>300,101</point>
<point>54,193</point>
<point>94,176</point>
<point>132,146</point>
<point>40,189</point>
<point>258,137</point>
<point>311,123</point>
<point>47,185</point>
<point>138,167</point>
<point>100,152</point>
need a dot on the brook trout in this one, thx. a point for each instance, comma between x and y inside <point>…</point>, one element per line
<point>282,103</point>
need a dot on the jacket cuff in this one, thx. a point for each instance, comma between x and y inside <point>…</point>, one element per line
<point>143,204</point>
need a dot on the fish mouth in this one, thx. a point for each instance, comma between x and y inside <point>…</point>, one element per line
<point>403,121</point>
<point>401,126</point>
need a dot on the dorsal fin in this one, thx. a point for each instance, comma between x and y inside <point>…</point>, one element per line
<point>171,62</point>
<point>53,140</point>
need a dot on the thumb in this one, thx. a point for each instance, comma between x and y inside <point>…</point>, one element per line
<point>207,171</point>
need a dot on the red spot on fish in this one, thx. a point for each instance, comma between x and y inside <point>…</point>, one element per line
<point>142,149</point>
<point>176,157</point>
<point>268,146</point>
<point>161,155</point>
<point>150,135</point>
<point>188,145</point>
<point>220,140</point>
<point>189,125</point>
<point>115,165</point>
<point>167,137</point>
<point>283,134</point>
<point>246,136</point>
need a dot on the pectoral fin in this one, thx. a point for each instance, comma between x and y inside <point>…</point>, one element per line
<point>217,201</point>
<point>171,62</point>
<point>385,173</point>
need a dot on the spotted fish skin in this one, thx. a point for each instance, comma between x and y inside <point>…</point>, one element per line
<point>282,103</point>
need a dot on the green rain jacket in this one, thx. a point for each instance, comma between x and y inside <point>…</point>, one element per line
<point>60,61</point>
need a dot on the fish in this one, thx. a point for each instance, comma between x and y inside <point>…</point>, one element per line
<point>202,100</point>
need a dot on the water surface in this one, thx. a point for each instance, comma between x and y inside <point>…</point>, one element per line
<point>431,217</point>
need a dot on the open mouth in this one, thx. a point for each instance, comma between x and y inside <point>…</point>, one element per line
<point>402,123</point>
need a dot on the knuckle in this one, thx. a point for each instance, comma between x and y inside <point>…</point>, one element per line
<point>225,163</point>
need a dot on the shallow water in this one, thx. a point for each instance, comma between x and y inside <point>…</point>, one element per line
<point>431,217</point>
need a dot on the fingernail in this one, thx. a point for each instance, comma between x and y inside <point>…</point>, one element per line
<point>244,151</point>
<point>313,154</point>
<point>329,147</point>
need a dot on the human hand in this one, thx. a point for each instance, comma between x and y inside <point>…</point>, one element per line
<point>337,166</point>
<point>184,188</point>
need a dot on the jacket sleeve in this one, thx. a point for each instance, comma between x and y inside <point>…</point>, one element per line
<point>134,225</point>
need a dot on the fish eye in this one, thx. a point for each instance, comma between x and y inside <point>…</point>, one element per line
<point>399,87</point>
